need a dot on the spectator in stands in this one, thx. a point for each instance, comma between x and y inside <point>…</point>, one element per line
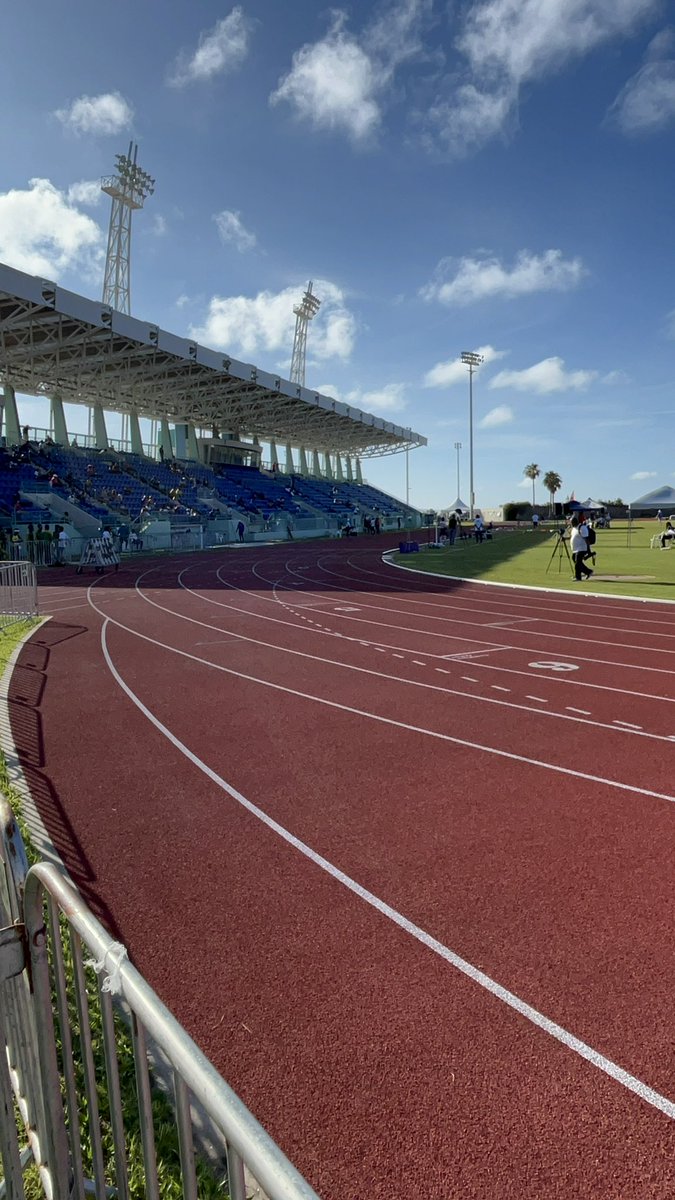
<point>3,543</point>
<point>16,544</point>
<point>378,525</point>
<point>25,433</point>
<point>161,454</point>
<point>64,542</point>
<point>30,541</point>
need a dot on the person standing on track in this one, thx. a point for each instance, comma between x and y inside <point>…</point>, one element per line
<point>241,530</point>
<point>579,550</point>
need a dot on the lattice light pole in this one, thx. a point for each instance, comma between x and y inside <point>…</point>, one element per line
<point>128,187</point>
<point>471,359</point>
<point>304,312</point>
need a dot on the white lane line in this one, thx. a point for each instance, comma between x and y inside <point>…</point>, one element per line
<point>504,624</point>
<point>497,688</point>
<point>394,655</point>
<point>365,670</point>
<point>584,712</point>
<point>442,671</point>
<point>418,663</point>
<point>380,649</point>
<point>469,679</point>
<point>525,1010</point>
<point>539,699</point>
<point>606,662</point>
<point>627,724</point>
<point>459,655</point>
<point>56,612</point>
<point>360,712</point>
<point>538,633</point>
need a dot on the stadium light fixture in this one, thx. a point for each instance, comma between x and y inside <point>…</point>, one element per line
<point>472,360</point>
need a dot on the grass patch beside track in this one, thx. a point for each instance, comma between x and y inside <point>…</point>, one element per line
<point>522,557</point>
<point>166,1138</point>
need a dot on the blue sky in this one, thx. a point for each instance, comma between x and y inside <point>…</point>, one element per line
<point>492,175</point>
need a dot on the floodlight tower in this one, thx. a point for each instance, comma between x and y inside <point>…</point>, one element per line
<point>128,187</point>
<point>472,360</point>
<point>304,312</point>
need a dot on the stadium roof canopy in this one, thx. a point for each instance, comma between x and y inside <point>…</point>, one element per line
<point>56,342</point>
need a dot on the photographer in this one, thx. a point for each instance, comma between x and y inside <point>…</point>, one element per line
<point>579,547</point>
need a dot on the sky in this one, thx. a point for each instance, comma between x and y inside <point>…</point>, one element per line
<point>488,175</point>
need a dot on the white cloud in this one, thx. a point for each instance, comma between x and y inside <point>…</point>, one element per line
<point>87,191</point>
<point>231,229</point>
<point>546,376</point>
<point>389,398</point>
<point>182,300</point>
<point>105,114</point>
<point>507,43</point>
<point>472,279</point>
<point>614,378</point>
<point>251,325</point>
<point>220,49</point>
<point>646,103</point>
<point>43,233</point>
<point>643,475</point>
<point>444,374</point>
<point>160,225</point>
<point>525,483</point>
<point>501,415</point>
<point>338,82</point>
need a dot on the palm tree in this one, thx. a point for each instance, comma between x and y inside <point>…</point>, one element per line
<point>532,471</point>
<point>552,482</point>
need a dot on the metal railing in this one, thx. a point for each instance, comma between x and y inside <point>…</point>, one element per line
<point>18,592</point>
<point>61,972</point>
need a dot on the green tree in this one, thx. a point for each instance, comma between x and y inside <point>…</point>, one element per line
<point>532,471</point>
<point>552,482</point>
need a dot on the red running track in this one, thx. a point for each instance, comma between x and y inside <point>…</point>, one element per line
<point>397,851</point>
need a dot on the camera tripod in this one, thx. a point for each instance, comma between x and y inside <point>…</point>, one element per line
<point>562,550</point>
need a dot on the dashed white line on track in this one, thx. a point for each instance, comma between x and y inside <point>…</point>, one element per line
<point>495,687</point>
<point>469,679</point>
<point>627,724</point>
<point>538,699</point>
<point>468,969</point>
<point>418,663</point>
<point>583,712</point>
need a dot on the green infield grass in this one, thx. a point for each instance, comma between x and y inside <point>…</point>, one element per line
<point>625,564</point>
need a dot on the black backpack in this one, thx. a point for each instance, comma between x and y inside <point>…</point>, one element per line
<point>591,535</point>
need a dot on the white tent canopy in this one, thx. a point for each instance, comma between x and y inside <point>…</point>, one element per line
<point>592,505</point>
<point>663,497</point>
<point>459,505</point>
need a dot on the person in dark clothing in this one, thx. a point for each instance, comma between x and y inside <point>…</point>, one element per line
<point>241,530</point>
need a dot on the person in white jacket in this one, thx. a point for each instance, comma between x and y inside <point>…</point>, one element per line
<point>579,548</point>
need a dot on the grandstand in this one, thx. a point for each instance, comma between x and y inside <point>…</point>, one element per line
<point>217,417</point>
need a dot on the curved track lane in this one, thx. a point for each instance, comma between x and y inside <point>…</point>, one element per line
<point>398,852</point>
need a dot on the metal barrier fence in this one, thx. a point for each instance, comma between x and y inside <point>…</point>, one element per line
<point>70,1002</point>
<point>18,592</point>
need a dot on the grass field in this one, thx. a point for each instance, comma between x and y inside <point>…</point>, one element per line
<point>524,557</point>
